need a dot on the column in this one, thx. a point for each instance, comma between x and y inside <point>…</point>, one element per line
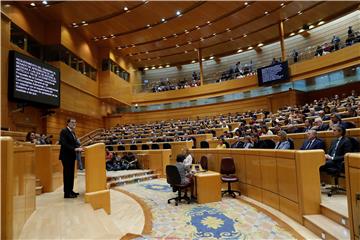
<point>282,43</point>
<point>201,67</point>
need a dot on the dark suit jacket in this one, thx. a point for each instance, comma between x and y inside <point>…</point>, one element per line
<point>343,148</point>
<point>317,144</point>
<point>68,144</point>
<point>237,145</point>
<point>323,127</point>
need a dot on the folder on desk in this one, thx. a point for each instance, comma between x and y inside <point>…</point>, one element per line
<point>197,168</point>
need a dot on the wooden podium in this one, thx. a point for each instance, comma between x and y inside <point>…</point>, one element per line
<point>208,187</point>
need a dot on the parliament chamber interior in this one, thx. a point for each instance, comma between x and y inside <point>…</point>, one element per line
<point>180,120</point>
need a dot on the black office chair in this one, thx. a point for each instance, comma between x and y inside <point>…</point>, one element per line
<point>204,162</point>
<point>227,169</point>
<point>133,147</point>
<point>204,144</point>
<point>155,146</point>
<point>166,146</point>
<point>292,146</point>
<point>269,144</point>
<point>145,147</point>
<point>121,148</point>
<point>174,179</point>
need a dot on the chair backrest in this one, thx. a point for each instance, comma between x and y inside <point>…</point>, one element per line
<point>133,147</point>
<point>355,145</point>
<point>110,148</point>
<point>172,175</point>
<point>204,144</point>
<point>155,146</point>
<point>292,146</point>
<point>227,165</point>
<point>269,144</point>
<point>145,147</point>
<point>166,146</point>
<point>204,162</point>
<point>227,144</point>
<point>121,148</point>
<point>194,142</point>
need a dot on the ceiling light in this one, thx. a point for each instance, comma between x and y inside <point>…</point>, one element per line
<point>239,51</point>
<point>133,45</point>
<point>163,19</point>
<point>212,57</point>
<point>208,22</point>
<point>214,34</point>
<point>244,35</point>
<point>201,39</point>
<point>231,39</point>
<point>195,50</point>
<point>32,4</point>
<point>311,26</point>
<point>249,48</point>
<point>203,59</point>
<point>260,45</point>
<point>74,24</point>
<point>246,3</point>
<point>148,25</point>
<point>178,13</point>
<point>186,51</point>
<point>193,61</point>
<point>146,68</point>
<point>164,38</point>
<point>189,42</point>
<point>228,29</point>
<point>299,12</point>
<point>44,2</point>
<point>177,45</point>
<point>321,23</point>
<point>301,30</point>
<point>292,34</point>
<point>153,67</point>
<point>167,65</point>
<point>83,22</point>
<point>266,12</point>
<point>126,8</point>
<point>147,52</point>
<point>197,27</point>
<point>286,19</point>
<point>160,67</point>
<point>175,35</point>
<point>282,4</point>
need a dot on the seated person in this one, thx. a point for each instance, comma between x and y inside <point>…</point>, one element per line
<point>312,141</point>
<point>188,160</point>
<point>339,147</point>
<point>247,142</point>
<point>319,125</point>
<point>257,143</point>
<point>283,142</point>
<point>221,143</point>
<point>186,177</point>
<point>238,143</point>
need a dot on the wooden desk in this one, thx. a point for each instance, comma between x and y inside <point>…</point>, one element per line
<point>208,187</point>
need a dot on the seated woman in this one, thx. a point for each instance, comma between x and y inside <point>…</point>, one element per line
<point>221,143</point>
<point>283,142</point>
<point>186,177</point>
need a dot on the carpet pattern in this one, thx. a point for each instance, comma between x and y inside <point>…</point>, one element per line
<point>228,219</point>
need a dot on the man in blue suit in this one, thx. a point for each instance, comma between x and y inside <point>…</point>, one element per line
<point>312,141</point>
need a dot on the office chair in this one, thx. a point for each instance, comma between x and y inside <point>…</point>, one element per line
<point>204,162</point>
<point>204,144</point>
<point>133,147</point>
<point>227,169</point>
<point>155,146</point>
<point>145,147</point>
<point>269,144</point>
<point>173,178</point>
<point>292,146</point>
<point>121,148</point>
<point>166,146</point>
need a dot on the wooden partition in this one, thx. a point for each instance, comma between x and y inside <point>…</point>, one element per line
<point>48,167</point>
<point>17,186</point>
<point>286,180</point>
<point>176,147</point>
<point>96,192</point>
<point>352,172</point>
<point>153,159</point>
<point>17,136</point>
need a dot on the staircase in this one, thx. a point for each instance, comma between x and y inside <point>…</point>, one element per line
<point>331,223</point>
<point>39,187</point>
<point>131,176</point>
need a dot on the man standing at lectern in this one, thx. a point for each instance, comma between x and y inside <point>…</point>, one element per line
<point>69,147</point>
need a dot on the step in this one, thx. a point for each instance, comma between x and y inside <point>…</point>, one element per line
<point>129,175</point>
<point>132,180</point>
<point>39,190</point>
<point>334,215</point>
<point>108,224</point>
<point>38,183</point>
<point>325,227</point>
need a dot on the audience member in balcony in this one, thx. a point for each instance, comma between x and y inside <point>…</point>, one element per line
<point>295,56</point>
<point>339,147</point>
<point>319,51</point>
<point>274,61</point>
<point>336,42</point>
<point>283,142</point>
<point>319,125</point>
<point>194,76</point>
<point>312,142</point>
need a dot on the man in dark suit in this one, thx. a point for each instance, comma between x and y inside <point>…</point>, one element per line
<point>339,147</point>
<point>320,126</point>
<point>69,147</point>
<point>312,142</point>
<point>237,144</point>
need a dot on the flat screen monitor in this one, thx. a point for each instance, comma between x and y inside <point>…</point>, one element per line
<point>272,74</point>
<point>33,81</point>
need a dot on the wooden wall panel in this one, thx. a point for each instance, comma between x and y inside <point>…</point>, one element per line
<point>113,87</point>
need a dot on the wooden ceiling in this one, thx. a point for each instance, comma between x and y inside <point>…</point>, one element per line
<point>155,33</point>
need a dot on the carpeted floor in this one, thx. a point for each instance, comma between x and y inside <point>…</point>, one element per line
<point>228,219</point>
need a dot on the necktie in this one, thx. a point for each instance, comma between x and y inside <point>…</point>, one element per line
<point>309,145</point>
<point>335,148</point>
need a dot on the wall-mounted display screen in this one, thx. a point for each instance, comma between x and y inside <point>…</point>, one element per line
<point>273,74</point>
<point>33,81</point>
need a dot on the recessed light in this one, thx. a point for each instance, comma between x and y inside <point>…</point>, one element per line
<point>239,51</point>
<point>160,67</point>
<point>164,38</point>
<point>153,67</point>
<point>292,34</point>
<point>311,26</point>
<point>178,13</point>
<point>195,50</point>
<point>83,22</point>
<point>228,29</point>
<point>167,65</point>
<point>208,22</point>
<point>321,23</point>
<point>260,45</point>
<point>44,2</point>
<point>246,3</point>
<point>231,39</point>
<point>301,30</point>
<point>214,34</point>
<point>32,4</point>
<point>203,59</point>
<point>126,8</point>
<point>299,12</point>
<point>189,42</point>
<point>266,12</point>
<point>201,39</point>
<point>286,19</point>
<point>74,24</point>
<point>147,52</point>
<point>244,35</point>
<point>146,68</point>
<point>193,61</point>
<point>186,51</point>
<point>163,19</point>
<point>177,45</point>
<point>175,35</point>
<point>186,31</point>
<point>249,48</point>
<point>133,45</point>
<point>212,57</point>
<point>148,25</point>
<point>197,27</point>
<point>130,54</point>
<point>282,4</point>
